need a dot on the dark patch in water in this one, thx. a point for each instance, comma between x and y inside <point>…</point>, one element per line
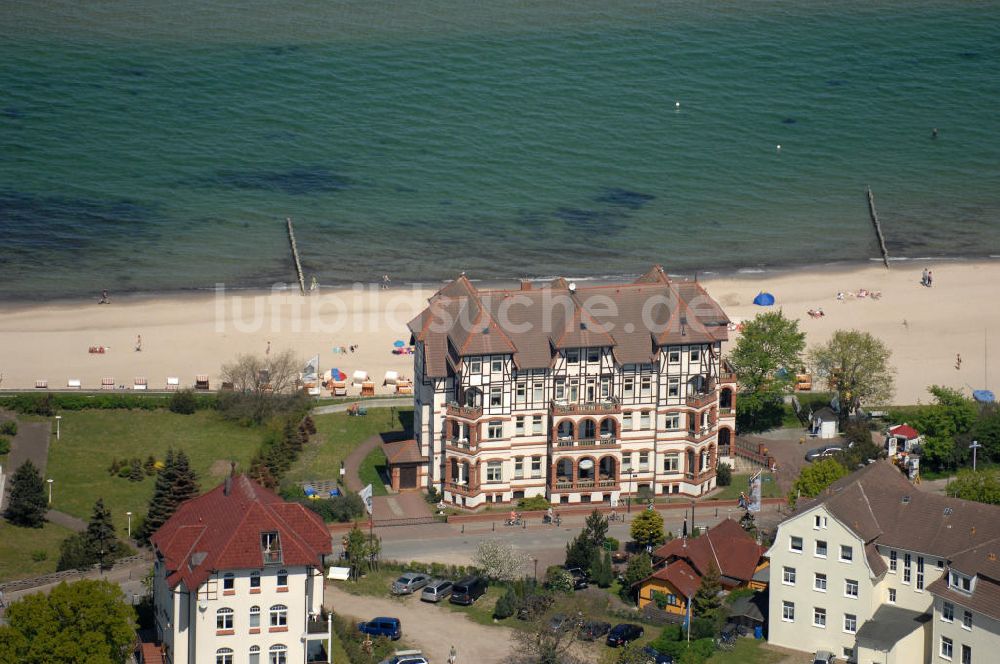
<point>137,72</point>
<point>789,121</point>
<point>294,181</point>
<point>445,202</point>
<point>969,55</point>
<point>283,50</point>
<point>632,200</point>
<point>836,82</point>
<point>13,113</point>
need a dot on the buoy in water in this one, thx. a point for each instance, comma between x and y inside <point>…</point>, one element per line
<point>779,147</point>
<point>677,104</point>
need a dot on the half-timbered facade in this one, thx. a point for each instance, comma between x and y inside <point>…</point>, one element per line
<point>575,394</point>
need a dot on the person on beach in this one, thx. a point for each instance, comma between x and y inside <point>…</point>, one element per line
<point>930,278</point>
<point>923,278</point>
<point>104,297</point>
<point>138,343</point>
<point>958,361</point>
<point>267,351</point>
<point>452,656</point>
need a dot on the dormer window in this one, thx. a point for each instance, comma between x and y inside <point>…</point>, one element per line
<point>270,548</point>
<point>960,582</point>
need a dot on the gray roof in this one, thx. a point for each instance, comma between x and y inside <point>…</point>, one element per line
<point>633,320</point>
<point>749,606</point>
<point>889,625</point>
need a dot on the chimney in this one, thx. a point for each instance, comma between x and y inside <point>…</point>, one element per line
<point>525,285</point>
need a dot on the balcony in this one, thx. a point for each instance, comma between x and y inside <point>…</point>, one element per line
<point>589,443</point>
<point>698,478</point>
<point>463,488</point>
<point>700,434</point>
<point>455,409</point>
<point>316,626</point>
<point>593,408</point>
<point>700,400</point>
<point>727,412</point>
<point>584,485</point>
<point>460,443</point>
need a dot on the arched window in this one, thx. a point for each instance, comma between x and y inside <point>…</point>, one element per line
<point>254,655</point>
<point>279,615</point>
<point>255,616</point>
<point>224,656</point>
<point>224,618</point>
<point>278,654</point>
<point>282,578</point>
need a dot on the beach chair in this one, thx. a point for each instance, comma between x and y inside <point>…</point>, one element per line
<point>339,388</point>
<point>404,386</point>
<point>173,383</point>
<point>73,383</point>
<point>368,389</point>
<point>140,384</point>
<point>107,383</point>
<point>41,384</point>
<point>201,382</point>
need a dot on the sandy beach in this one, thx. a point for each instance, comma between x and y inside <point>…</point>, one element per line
<point>187,335</point>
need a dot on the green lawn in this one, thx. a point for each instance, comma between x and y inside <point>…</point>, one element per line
<point>369,472</point>
<point>338,434</point>
<point>747,651</point>
<point>768,489</point>
<point>18,544</point>
<point>92,438</point>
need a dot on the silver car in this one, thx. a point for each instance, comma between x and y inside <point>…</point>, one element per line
<point>436,590</point>
<point>409,583</point>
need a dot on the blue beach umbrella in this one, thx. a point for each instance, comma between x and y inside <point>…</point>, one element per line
<point>763,299</point>
<point>398,343</point>
<point>983,396</point>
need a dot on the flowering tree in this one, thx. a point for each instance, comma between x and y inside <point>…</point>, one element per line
<point>499,561</point>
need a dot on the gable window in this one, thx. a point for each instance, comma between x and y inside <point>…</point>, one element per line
<point>254,655</point>
<point>920,572</point>
<point>821,548</point>
<point>673,387</point>
<point>255,616</point>
<point>475,366</point>
<point>948,612</point>
<point>674,357</point>
<point>228,581</point>
<point>850,588</point>
<point>496,365</point>
<point>536,424</point>
<point>819,617</point>
<point>788,576</point>
<point>960,582</point>
<point>795,544</point>
<point>518,468</point>
<point>282,578</point>
<point>277,654</point>
<point>892,595</point>
<point>494,429</point>
<point>593,354</point>
<point>494,471</point>
<point>270,547</point>
<point>519,425</point>
<point>967,619</point>
<point>819,522</point>
<point>628,386</point>
<point>254,581</point>
<point>496,395</point>
<point>893,562</point>
<point>846,553</point>
<point>819,583</point>
<point>850,623</point>
<point>573,356</point>
<point>947,647</point>
<point>278,615</point>
<point>224,656</point>
<point>224,618</point>
<point>788,611</point>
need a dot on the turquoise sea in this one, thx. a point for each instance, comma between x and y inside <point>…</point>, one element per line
<point>158,145</point>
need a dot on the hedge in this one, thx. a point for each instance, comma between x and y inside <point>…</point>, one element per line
<point>48,404</point>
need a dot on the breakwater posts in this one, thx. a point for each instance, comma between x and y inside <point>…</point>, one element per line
<point>295,256</point>
<point>878,227</point>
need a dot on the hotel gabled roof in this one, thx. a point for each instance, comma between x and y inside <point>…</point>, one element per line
<point>634,320</point>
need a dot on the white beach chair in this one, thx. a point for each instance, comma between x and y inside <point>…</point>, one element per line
<point>107,383</point>
<point>173,383</point>
<point>140,384</point>
<point>73,383</point>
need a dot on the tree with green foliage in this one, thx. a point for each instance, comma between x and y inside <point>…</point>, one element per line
<point>639,567</point>
<point>947,427</point>
<point>28,502</point>
<point>175,483</point>
<point>98,544</point>
<point>579,552</point>
<point>185,484</point>
<point>647,528</point>
<point>595,529</point>
<point>506,606</point>
<point>558,580</point>
<point>601,572</point>
<point>723,474</point>
<point>357,552</point>
<point>183,402</point>
<point>982,486</point>
<point>856,366</point>
<point>706,601</point>
<point>817,476</point>
<point>861,447</point>
<point>86,621</point>
<point>533,504</point>
<point>765,359</point>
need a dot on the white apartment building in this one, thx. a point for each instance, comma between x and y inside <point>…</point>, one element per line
<point>878,571</point>
<point>578,394</point>
<point>238,579</point>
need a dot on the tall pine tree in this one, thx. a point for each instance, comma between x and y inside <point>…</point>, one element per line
<point>101,535</point>
<point>707,602</point>
<point>162,504</point>
<point>28,501</point>
<point>185,484</point>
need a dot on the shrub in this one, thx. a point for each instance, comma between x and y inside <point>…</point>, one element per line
<point>149,467</point>
<point>39,556</point>
<point>8,428</point>
<point>506,605</point>
<point>343,508</point>
<point>535,503</point>
<point>724,474</point>
<point>558,579</point>
<point>4,445</point>
<point>183,402</point>
<point>612,544</point>
<point>124,470</point>
<point>47,404</point>
<point>135,472</point>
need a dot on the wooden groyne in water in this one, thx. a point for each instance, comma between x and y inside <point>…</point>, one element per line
<point>295,256</point>
<point>878,228</point>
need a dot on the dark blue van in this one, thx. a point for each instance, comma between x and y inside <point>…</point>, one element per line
<point>387,627</point>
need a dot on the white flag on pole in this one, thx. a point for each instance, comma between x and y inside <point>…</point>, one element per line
<point>366,496</point>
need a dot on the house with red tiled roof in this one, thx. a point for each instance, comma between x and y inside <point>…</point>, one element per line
<point>681,562</point>
<point>238,577</point>
<point>578,394</point>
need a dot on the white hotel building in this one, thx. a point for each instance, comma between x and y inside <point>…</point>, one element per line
<point>575,394</point>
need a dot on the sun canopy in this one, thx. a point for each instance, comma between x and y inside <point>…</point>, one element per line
<point>983,396</point>
<point>398,343</point>
<point>763,299</point>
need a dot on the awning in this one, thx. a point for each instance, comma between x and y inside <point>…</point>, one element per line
<point>339,573</point>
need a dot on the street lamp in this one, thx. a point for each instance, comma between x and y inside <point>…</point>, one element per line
<point>628,499</point>
<point>50,490</point>
<point>129,515</point>
<point>536,569</point>
<point>974,446</point>
<point>58,418</point>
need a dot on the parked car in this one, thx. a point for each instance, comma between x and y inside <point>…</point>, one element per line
<point>823,452</point>
<point>593,630</point>
<point>436,590</point>
<point>657,657</point>
<point>382,626</point>
<point>579,578</point>
<point>409,583</point>
<point>405,657</point>
<point>624,634</point>
<point>823,657</point>
<point>468,590</point>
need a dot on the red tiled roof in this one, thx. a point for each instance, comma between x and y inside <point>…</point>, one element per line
<point>904,430</point>
<point>152,653</point>
<point>222,531</point>
<point>403,451</point>
<point>727,546</point>
<point>680,575</point>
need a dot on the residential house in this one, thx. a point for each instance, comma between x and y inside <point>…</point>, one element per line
<point>578,394</point>
<point>682,562</point>
<point>877,570</point>
<point>238,578</point>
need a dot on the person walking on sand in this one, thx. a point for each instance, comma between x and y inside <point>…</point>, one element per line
<point>452,656</point>
<point>138,343</point>
<point>104,297</point>
<point>267,351</point>
<point>923,278</point>
<point>930,278</point>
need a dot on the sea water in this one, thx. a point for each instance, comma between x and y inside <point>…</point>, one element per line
<point>152,145</point>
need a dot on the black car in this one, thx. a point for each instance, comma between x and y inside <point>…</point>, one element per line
<point>657,657</point>
<point>593,630</point>
<point>624,634</point>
